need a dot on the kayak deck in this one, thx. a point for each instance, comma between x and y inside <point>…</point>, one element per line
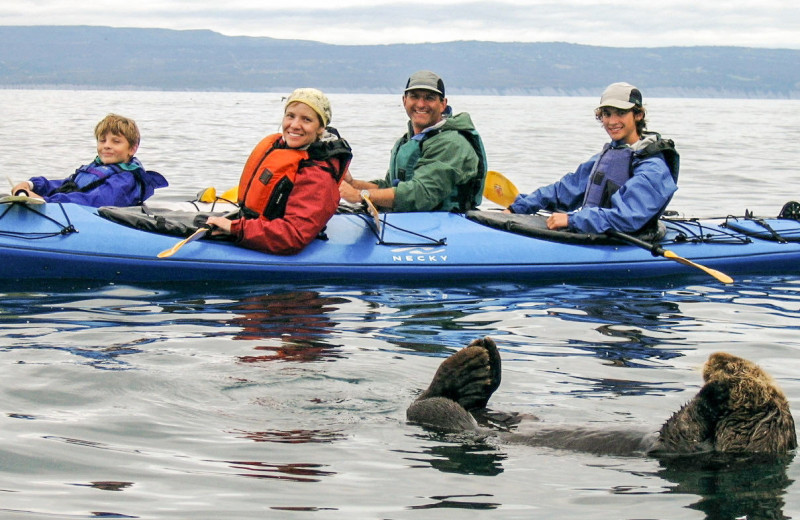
<point>66,241</point>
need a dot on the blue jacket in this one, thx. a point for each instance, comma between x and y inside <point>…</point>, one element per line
<point>644,196</point>
<point>123,184</point>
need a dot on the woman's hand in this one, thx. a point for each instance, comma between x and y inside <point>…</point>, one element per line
<point>219,225</point>
<point>349,193</point>
<point>557,221</point>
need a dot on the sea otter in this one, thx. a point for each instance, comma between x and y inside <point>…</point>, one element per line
<point>739,410</point>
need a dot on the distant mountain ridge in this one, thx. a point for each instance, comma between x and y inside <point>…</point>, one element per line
<point>202,60</point>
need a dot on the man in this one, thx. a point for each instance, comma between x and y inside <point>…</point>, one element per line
<point>438,165</point>
<point>626,187</point>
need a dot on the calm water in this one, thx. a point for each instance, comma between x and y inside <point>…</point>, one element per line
<point>218,401</point>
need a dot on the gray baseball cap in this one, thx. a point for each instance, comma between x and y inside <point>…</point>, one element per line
<point>425,80</point>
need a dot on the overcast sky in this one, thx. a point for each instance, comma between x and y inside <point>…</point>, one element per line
<point>649,23</point>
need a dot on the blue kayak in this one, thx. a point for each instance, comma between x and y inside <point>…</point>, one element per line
<point>67,241</point>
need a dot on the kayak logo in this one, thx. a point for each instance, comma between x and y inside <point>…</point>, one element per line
<point>428,255</point>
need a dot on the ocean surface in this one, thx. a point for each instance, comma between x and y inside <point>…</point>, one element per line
<point>214,400</point>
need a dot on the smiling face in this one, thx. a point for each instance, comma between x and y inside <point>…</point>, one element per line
<point>114,148</point>
<point>301,125</point>
<point>620,125</point>
<point>424,108</point>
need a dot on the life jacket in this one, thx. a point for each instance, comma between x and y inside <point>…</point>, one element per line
<point>90,176</point>
<point>465,196</point>
<point>270,172</point>
<point>615,165</point>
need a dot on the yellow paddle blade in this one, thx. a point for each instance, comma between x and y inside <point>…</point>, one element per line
<point>499,189</point>
<point>232,195</point>
<point>191,238</point>
<point>207,195</point>
<point>722,277</point>
<point>21,199</point>
<point>373,211</point>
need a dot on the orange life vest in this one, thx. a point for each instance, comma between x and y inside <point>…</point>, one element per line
<point>270,171</point>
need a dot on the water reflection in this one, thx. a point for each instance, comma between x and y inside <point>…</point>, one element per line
<point>731,487</point>
<point>300,319</point>
<point>294,472</point>
<point>108,485</point>
<point>458,502</point>
<point>631,324</point>
<point>294,436</point>
<point>103,358</point>
<point>421,320</point>
<point>370,347</point>
<point>604,387</point>
<point>468,458</point>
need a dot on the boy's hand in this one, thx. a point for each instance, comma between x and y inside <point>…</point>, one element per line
<point>23,188</point>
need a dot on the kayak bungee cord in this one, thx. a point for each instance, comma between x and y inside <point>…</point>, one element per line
<point>64,229</point>
<point>377,224</point>
<point>381,232</point>
<point>691,230</point>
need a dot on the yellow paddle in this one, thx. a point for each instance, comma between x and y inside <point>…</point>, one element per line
<point>21,196</point>
<point>666,253</point>
<point>200,233</point>
<point>373,211</point>
<point>207,194</point>
<point>210,195</point>
<point>501,189</point>
<point>231,195</point>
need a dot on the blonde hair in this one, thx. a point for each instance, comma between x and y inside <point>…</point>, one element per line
<point>118,125</point>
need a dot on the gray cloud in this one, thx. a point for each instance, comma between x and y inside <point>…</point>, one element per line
<point>770,23</point>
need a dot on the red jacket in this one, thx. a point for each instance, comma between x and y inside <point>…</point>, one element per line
<point>313,200</point>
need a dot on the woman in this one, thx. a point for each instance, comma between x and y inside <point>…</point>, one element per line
<point>289,187</point>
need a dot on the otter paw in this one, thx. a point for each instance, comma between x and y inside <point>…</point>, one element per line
<point>468,377</point>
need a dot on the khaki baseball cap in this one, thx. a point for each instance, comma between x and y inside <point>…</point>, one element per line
<point>621,95</point>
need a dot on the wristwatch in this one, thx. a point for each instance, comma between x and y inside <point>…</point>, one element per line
<point>364,194</point>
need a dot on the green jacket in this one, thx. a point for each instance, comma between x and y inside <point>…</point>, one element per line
<point>440,169</point>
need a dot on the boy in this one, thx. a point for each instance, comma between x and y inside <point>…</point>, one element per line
<point>114,178</point>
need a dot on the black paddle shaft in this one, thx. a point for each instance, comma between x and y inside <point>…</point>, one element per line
<point>654,249</point>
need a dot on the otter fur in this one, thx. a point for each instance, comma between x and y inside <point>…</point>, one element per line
<point>739,410</point>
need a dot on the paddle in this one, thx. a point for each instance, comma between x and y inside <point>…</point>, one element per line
<point>373,211</point>
<point>501,196</point>
<point>21,196</point>
<point>207,194</point>
<point>22,199</point>
<point>231,195</point>
<point>666,253</point>
<point>210,195</point>
<point>499,189</point>
<point>200,233</point>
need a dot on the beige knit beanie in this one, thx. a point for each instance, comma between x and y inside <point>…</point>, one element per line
<point>313,98</point>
